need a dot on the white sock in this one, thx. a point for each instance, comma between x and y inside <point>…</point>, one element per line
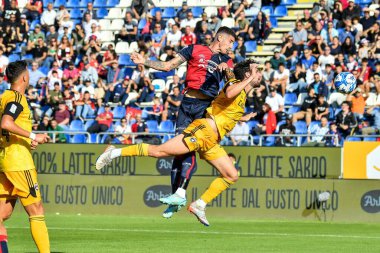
<point>181,192</point>
<point>115,153</point>
<point>201,203</point>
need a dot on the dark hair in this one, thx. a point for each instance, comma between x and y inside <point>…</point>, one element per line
<point>347,103</point>
<point>281,64</point>
<point>226,30</point>
<point>241,68</point>
<point>232,155</point>
<point>15,69</point>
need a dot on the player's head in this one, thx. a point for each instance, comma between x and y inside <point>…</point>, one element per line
<point>225,37</point>
<point>243,69</point>
<point>232,157</point>
<point>17,73</point>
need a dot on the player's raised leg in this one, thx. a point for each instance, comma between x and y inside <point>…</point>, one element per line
<point>173,147</point>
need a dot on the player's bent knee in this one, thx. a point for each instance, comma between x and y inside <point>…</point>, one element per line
<point>35,209</point>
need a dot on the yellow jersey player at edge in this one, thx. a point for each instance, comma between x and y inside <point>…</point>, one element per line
<point>203,135</point>
<point>18,175</point>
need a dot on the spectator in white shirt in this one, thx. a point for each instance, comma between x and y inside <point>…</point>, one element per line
<point>326,58</point>
<point>275,101</point>
<point>48,16</point>
<point>173,38</point>
<point>281,78</point>
<point>315,68</point>
<point>316,133</point>
<point>239,135</point>
<point>189,21</point>
<point>88,22</point>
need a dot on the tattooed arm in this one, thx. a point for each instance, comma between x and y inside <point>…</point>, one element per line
<point>159,65</point>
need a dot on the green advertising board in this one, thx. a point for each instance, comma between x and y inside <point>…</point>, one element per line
<point>256,198</point>
<point>262,162</point>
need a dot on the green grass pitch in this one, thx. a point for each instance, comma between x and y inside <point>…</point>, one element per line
<point>92,234</point>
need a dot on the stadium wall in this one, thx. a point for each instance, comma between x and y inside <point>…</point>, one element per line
<point>275,183</point>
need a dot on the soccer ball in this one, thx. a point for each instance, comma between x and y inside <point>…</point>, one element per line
<point>345,82</point>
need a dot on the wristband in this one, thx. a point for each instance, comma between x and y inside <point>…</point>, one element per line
<point>32,136</point>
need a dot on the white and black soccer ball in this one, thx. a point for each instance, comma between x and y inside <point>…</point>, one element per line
<point>345,82</point>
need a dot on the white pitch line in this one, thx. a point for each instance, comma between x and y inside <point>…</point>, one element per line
<point>209,232</point>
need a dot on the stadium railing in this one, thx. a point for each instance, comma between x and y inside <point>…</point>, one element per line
<point>298,137</point>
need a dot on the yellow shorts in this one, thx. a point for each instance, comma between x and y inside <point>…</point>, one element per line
<point>200,137</point>
<point>20,184</point>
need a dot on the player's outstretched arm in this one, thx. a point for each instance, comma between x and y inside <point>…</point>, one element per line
<point>158,65</point>
<point>234,88</point>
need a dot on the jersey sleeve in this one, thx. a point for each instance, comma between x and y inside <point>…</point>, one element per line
<point>187,52</point>
<point>230,63</point>
<point>13,105</point>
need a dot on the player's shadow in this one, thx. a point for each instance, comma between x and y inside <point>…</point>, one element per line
<point>311,209</point>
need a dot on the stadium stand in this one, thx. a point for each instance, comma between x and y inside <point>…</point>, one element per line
<point>106,36</point>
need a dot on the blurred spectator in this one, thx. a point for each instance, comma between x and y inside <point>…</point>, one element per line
<point>337,13</point>
<point>258,29</point>
<point>288,46</point>
<point>281,79</point>
<point>114,73</point>
<point>358,101</point>
<point>158,38</point>
<point>365,73</point>
<point>36,77</point>
<point>300,35</point>
<point>22,29</point>
<point>51,34</point>
<point>277,59</point>
<point>333,141</point>
<point>358,27</point>
<point>44,125</point>
<point>69,99</point>
<point>56,137</point>
<point>307,20</point>
<point>201,35</point>
<point>89,73</point>
<point>335,47</point>
<point>172,105</point>
<point>316,133</point>
<point>157,19</point>
<point>170,87</point>
<point>268,73</point>
<point>78,37</point>
<point>131,27</point>
<point>286,129</point>
<point>12,9</point>
<point>34,9</point>
<point>268,123</point>
<point>275,101</point>
<point>54,80</point>
<point>340,62</point>
<point>62,115</point>
<point>88,86</point>
<point>90,10</point>
<point>351,11</point>
<point>328,76</point>
<point>4,61</point>
<point>65,52</point>
<point>329,33</point>
<point>100,92</point>
<point>188,38</point>
<point>102,122</point>
<point>139,74</point>
<point>157,111</point>
<point>198,26</point>
<point>52,49</point>
<point>326,58</point>
<point>364,49</point>
<point>375,127</point>
<point>118,92</point>
<point>310,73</point>
<point>54,97</point>
<point>255,100</point>
<point>347,39</point>
<point>87,23</point>
<point>10,38</point>
<point>48,16</point>
<point>139,127</point>
<point>214,24</point>
<point>315,34</point>
<point>297,80</point>
<point>71,72</point>
<point>140,7</point>
<point>240,50</point>
<point>182,13</point>
<point>346,120</point>
<point>84,106</point>
<point>316,46</point>
<point>173,38</point>
<point>319,86</point>
<point>188,22</point>
<point>306,108</point>
<point>93,35</point>
<point>122,132</point>
<point>145,32</point>
<point>57,69</point>
<point>242,23</point>
<point>240,134</point>
<point>63,18</point>
<point>308,59</point>
<point>375,78</point>
<point>37,33</point>
<point>3,84</point>
<point>352,63</point>
<point>34,100</point>
<point>38,51</point>
<point>372,33</point>
<point>320,107</point>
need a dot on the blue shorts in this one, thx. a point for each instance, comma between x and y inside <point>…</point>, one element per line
<point>190,110</point>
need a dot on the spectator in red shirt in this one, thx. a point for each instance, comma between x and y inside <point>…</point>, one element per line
<point>269,122</point>
<point>34,9</point>
<point>102,122</point>
<point>364,73</point>
<point>71,72</point>
<point>188,38</point>
<point>62,115</point>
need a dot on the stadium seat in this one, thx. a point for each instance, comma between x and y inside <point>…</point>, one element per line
<point>250,46</point>
<point>125,60</point>
<point>93,138</point>
<point>58,3</point>
<point>34,23</point>
<point>301,98</point>
<point>280,11</point>
<point>133,47</point>
<point>27,57</point>
<point>122,47</point>
<point>268,10</point>
<point>141,24</point>
<point>159,85</point>
<point>313,123</point>
<point>197,11</point>
<point>269,141</point>
<point>210,10</point>
<point>100,4</point>
<point>88,123</point>
<point>114,13</point>
<point>273,21</point>
<point>76,125</point>
<point>107,36</point>
<point>301,127</point>
<point>128,72</point>
<point>119,112</point>
<point>166,126</point>
<point>83,3</point>
<point>192,2</point>
<point>44,70</point>
<point>75,13</point>
<point>116,24</point>
<point>229,22</point>
<point>288,2</point>
<point>13,57</point>
<point>112,3</point>
<point>152,126</point>
<point>73,4</point>
<point>337,98</point>
<point>125,3</point>
<point>169,12</point>
<point>78,138</point>
<point>290,98</point>
<point>102,13</point>
<point>154,10</point>
<point>252,124</point>
<point>144,113</point>
<point>352,138</point>
<point>371,100</point>
<point>370,139</point>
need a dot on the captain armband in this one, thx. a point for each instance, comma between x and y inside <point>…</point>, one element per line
<point>13,109</point>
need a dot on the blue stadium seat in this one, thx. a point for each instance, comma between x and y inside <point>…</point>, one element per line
<point>169,12</point>
<point>273,21</point>
<point>93,138</point>
<point>14,57</point>
<point>370,139</point>
<point>141,24</point>
<point>44,70</point>
<point>112,3</point>
<point>313,123</point>
<point>100,4</point>
<point>102,13</point>
<point>73,4</point>
<point>152,126</point>
<point>293,109</point>
<point>34,23</point>
<point>144,113</point>
<point>45,3</point>
<point>301,127</point>
<point>280,123</point>
<point>27,57</point>
<point>58,3</point>
<point>78,138</point>
<point>119,112</point>
<point>163,74</point>
<point>268,10</point>
<point>269,141</point>
<point>250,46</point>
<point>352,138</point>
<point>166,126</point>
<point>88,124</point>
<point>280,11</point>
<point>197,11</point>
<point>288,2</point>
<point>83,3</point>
<point>290,98</point>
<point>365,2</point>
<point>75,13</point>
<point>252,124</point>
<point>76,125</point>
<point>125,60</point>
<point>128,72</point>
<point>154,10</point>
<point>100,110</point>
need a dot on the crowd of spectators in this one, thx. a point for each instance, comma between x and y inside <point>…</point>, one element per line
<point>75,73</point>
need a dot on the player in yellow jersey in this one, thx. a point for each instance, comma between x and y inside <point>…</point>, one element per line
<point>18,176</point>
<point>203,135</point>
